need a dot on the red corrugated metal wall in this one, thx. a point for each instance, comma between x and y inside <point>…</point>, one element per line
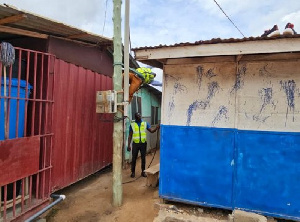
<point>82,139</point>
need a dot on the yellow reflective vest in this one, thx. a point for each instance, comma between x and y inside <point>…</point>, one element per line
<point>139,133</point>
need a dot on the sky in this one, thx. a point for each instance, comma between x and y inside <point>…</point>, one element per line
<point>166,22</point>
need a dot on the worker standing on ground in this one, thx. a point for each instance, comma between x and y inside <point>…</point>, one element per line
<point>137,131</point>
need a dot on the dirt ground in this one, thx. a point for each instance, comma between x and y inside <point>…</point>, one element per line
<point>91,199</point>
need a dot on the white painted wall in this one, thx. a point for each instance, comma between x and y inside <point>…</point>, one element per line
<point>270,97</point>
<point>253,95</point>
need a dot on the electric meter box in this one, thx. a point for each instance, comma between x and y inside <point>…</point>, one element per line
<point>106,101</point>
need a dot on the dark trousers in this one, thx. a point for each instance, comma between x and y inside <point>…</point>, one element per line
<point>136,147</point>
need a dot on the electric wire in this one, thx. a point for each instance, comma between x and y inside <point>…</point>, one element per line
<point>155,148</point>
<point>130,181</point>
<point>228,18</point>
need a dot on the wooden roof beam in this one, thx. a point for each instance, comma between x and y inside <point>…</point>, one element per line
<point>17,31</point>
<point>77,35</point>
<point>12,19</point>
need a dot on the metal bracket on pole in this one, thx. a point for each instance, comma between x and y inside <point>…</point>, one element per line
<point>121,103</point>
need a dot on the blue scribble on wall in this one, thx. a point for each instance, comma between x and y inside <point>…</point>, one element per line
<point>239,82</point>
<point>222,113</point>
<point>200,71</point>
<point>264,71</point>
<point>179,88</point>
<point>259,118</point>
<point>171,106</point>
<point>194,106</point>
<point>168,77</point>
<point>289,88</point>
<point>210,73</point>
<point>213,87</point>
<point>266,97</point>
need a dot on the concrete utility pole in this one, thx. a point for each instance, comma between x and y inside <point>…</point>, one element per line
<point>118,126</point>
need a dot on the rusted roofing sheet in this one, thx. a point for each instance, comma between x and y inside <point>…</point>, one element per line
<point>38,24</point>
<point>158,55</point>
<point>216,41</point>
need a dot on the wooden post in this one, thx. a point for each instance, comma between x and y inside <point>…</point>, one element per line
<point>118,126</point>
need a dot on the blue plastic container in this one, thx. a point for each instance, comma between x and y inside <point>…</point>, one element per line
<point>13,108</point>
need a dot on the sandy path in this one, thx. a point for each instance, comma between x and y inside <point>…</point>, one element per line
<point>91,199</point>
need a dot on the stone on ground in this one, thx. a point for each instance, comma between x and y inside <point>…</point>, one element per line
<point>242,216</point>
<point>170,213</point>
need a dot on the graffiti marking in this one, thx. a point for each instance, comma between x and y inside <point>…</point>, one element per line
<point>179,88</point>
<point>239,82</point>
<point>221,114</point>
<point>213,87</point>
<point>289,87</point>
<point>266,97</point>
<point>199,76</point>
<point>210,73</point>
<point>264,72</point>
<point>193,107</point>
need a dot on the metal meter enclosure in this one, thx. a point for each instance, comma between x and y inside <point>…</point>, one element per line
<point>106,101</point>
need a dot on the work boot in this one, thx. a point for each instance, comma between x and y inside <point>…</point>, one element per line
<point>132,175</point>
<point>143,174</point>
<point>289,29</point>
<point>271,32</point>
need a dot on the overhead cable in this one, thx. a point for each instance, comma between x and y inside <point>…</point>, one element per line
<point>104,17</point>
<point>228,18</point>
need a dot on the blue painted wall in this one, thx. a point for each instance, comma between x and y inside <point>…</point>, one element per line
<point>195,165</point>
<point>231,168</point>
<point>262,182</point>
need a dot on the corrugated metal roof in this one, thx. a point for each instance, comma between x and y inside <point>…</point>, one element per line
<point>39,24</point>
<point>216,41</point>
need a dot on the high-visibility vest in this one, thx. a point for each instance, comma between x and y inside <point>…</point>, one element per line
<point>147,73</point>
<point>139,133</point>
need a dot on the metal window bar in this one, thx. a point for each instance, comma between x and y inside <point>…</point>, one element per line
<point>8,103</point>
<point>34,95</point>
<point>18,94</point>
<point>21,196</point>
<point>26,91</point>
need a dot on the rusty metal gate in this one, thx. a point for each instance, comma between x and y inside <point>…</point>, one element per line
<point>26,134</point>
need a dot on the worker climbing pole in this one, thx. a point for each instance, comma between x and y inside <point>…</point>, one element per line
<point>139,77</point>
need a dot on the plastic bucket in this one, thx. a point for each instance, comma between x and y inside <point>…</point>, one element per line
<point>13,108</point>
